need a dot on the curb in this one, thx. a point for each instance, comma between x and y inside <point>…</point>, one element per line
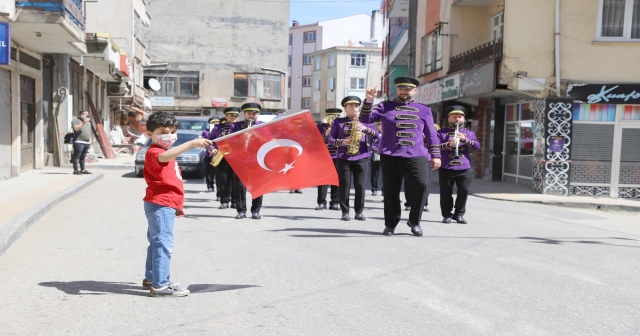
<point>576,205</point>
<point>12,230</point>
<point>104,167</point>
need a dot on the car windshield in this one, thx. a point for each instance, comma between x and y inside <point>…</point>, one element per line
<point>182,138</point>
<point>194,125</point>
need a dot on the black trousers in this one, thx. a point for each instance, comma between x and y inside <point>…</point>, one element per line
<point>210,176</point>
<point>462,180</point>
<point>322,193</point>
<point>416,172</point>
<point>240,193</point>
<point>224,181</point>
<point>407,191</point>
<point>345,171</point>
<point>375,173</point>
<point>79,154</point>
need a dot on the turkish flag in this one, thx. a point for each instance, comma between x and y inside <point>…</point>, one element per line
<point>285,154</point>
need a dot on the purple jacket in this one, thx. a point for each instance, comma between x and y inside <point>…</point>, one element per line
<point>403,127</point>
<point>340,130</point>
<point>218,131</point>
<point>449,161</point>
<point>322,128</point>
<point>240,125</point>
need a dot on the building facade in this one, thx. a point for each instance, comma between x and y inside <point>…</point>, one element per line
<point>220,54</point>
<point>555,110</point>
<point>305,40</point>
<point>342,71</point>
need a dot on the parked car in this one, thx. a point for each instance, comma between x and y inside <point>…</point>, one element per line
<point>193,123</point>
<point>192,161</point>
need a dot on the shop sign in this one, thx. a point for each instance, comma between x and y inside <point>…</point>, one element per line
<point>605,93</point>
<point>451,87</point>
<point>5,43</point>
<point>478,80</point>
<point>125,66</point>
<point>219,102</point>
<point>556,144</point>
<point>162,101</point>
<point>430,93</point>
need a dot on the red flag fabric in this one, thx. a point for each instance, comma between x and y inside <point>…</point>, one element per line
<point>285,154</point>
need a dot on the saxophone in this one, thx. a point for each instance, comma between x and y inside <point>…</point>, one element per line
<point>356,136</point>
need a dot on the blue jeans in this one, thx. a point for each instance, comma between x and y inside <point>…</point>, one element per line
<point>160,237</point>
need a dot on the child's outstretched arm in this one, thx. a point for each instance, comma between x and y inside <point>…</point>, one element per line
<point>176,151</point>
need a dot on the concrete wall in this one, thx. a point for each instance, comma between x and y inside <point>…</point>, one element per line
<point>5,124</point>
<point>220,37</point>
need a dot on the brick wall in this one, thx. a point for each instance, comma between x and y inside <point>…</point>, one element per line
<point>630,173</point>
<point>590,172</point>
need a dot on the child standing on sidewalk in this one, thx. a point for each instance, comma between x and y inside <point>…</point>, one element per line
<point>164,200</point>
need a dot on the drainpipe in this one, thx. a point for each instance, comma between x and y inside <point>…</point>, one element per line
<point>557,37</point>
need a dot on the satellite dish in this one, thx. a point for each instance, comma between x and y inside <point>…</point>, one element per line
<point>154,84</point>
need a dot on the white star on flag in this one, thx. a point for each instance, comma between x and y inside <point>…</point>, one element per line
<point>287,167</point>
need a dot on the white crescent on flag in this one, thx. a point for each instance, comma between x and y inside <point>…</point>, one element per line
<point>273,144</point>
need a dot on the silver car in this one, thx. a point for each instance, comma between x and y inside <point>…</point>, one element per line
<point>191,161</point>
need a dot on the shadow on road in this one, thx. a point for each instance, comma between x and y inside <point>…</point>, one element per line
<point>129,288</point>
<point>330,231</point>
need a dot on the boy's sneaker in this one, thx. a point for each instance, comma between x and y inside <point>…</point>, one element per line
<point>171,290</point>
<point>147,284</point>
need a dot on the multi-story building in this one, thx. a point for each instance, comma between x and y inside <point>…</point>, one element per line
<point>304,40</point>
<point>556,109</point>
<point>213,54</point>
<point>342,71</point>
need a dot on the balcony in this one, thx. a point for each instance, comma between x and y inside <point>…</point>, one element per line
<point>478,55</point>
<point>50,26</point>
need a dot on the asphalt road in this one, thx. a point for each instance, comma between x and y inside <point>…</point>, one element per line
<point>515,269</point>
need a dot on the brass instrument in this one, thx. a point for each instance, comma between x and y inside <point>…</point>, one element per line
<point>330,119</point>
<point>215,161</point>
<point>356,136</point>
<point>457,140</point>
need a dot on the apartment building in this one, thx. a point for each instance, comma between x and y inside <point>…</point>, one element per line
<point>214,54</point>
<point>339,72</point>
<point>360,30</point>
<point>551,86</point>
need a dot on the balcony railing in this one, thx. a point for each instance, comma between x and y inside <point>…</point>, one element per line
<point>478,55</point>
<point>73,8</point>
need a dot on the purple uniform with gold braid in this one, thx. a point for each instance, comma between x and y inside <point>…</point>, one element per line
<point>324,189</point>
<point>449,161</point>
<point>341,130</point>
<point>322,128</point>
<point>224,173</point>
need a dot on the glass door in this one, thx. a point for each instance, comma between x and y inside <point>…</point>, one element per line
<point>519,143</point>
<point>27,122</point>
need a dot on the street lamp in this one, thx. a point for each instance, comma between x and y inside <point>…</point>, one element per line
<point>286,76</point>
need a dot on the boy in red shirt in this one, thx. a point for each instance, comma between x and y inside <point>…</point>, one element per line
<point>164,200</point>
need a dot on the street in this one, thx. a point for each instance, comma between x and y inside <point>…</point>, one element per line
<point>515,269</point>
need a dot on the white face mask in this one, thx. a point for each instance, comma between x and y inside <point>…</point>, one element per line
<point>166,140</point>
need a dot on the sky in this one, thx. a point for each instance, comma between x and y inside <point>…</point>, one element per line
<point>311,11</point>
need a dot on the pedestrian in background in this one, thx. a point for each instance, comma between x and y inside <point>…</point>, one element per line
<point>82,142</point>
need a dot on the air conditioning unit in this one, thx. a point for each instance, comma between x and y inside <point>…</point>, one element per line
<point>117,89</point>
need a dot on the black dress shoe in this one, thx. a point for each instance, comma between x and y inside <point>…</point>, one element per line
<point>345,217</point>
<point>233,205</point>
<point>256,215</point>
<point>321,207</point>
<point>77,172</point>
<point>459,219</point>
<point>388,231</point>
<point>86,172</point>
<point>291,191</point>
<point>374,193</point>
<point>360,217</point>
<point>416,230</point>
<point>425,209</point>
<point>446,220</point>
<point>241,215</point>
<point>334,206</point>
<point>407,208</point>
<point>298,191</point>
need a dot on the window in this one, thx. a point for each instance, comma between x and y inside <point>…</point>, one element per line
<point>331,84</point>
<point>262,86</point>
<point>309,37</point>
<point>175,83</point>
<point>497,26</point>
<point>306,103</point>
<point>318,60</point>
<point>306,81</point>
<point>431,53</point>
<point>290,39</point>
<point>619,20</point>
<point>357,83</point>
<point>306,59</point>
<point>332,60</point>
<point>289,82</point>
<point>316,85</point>
<point>289,60</point>
<point>358,59</point>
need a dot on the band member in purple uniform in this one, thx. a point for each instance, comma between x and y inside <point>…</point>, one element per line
<point>456,168</point>
<point>251,112</point>
<point>325,129</point>
<point>351,158</point>
<point>374,143</point>
<point>210,176</point>
<point>402,154</point>
<point>224,173</point>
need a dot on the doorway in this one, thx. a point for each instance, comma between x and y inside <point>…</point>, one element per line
<point>27,122</point>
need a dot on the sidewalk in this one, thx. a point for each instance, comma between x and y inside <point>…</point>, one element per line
<point>26,198</point>
<point>123,161</point>
<point>503,191</point>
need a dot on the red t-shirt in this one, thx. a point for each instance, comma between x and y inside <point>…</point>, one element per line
<point>164,180</point>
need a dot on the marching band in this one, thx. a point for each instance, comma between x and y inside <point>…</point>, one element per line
<point>398,137</point>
